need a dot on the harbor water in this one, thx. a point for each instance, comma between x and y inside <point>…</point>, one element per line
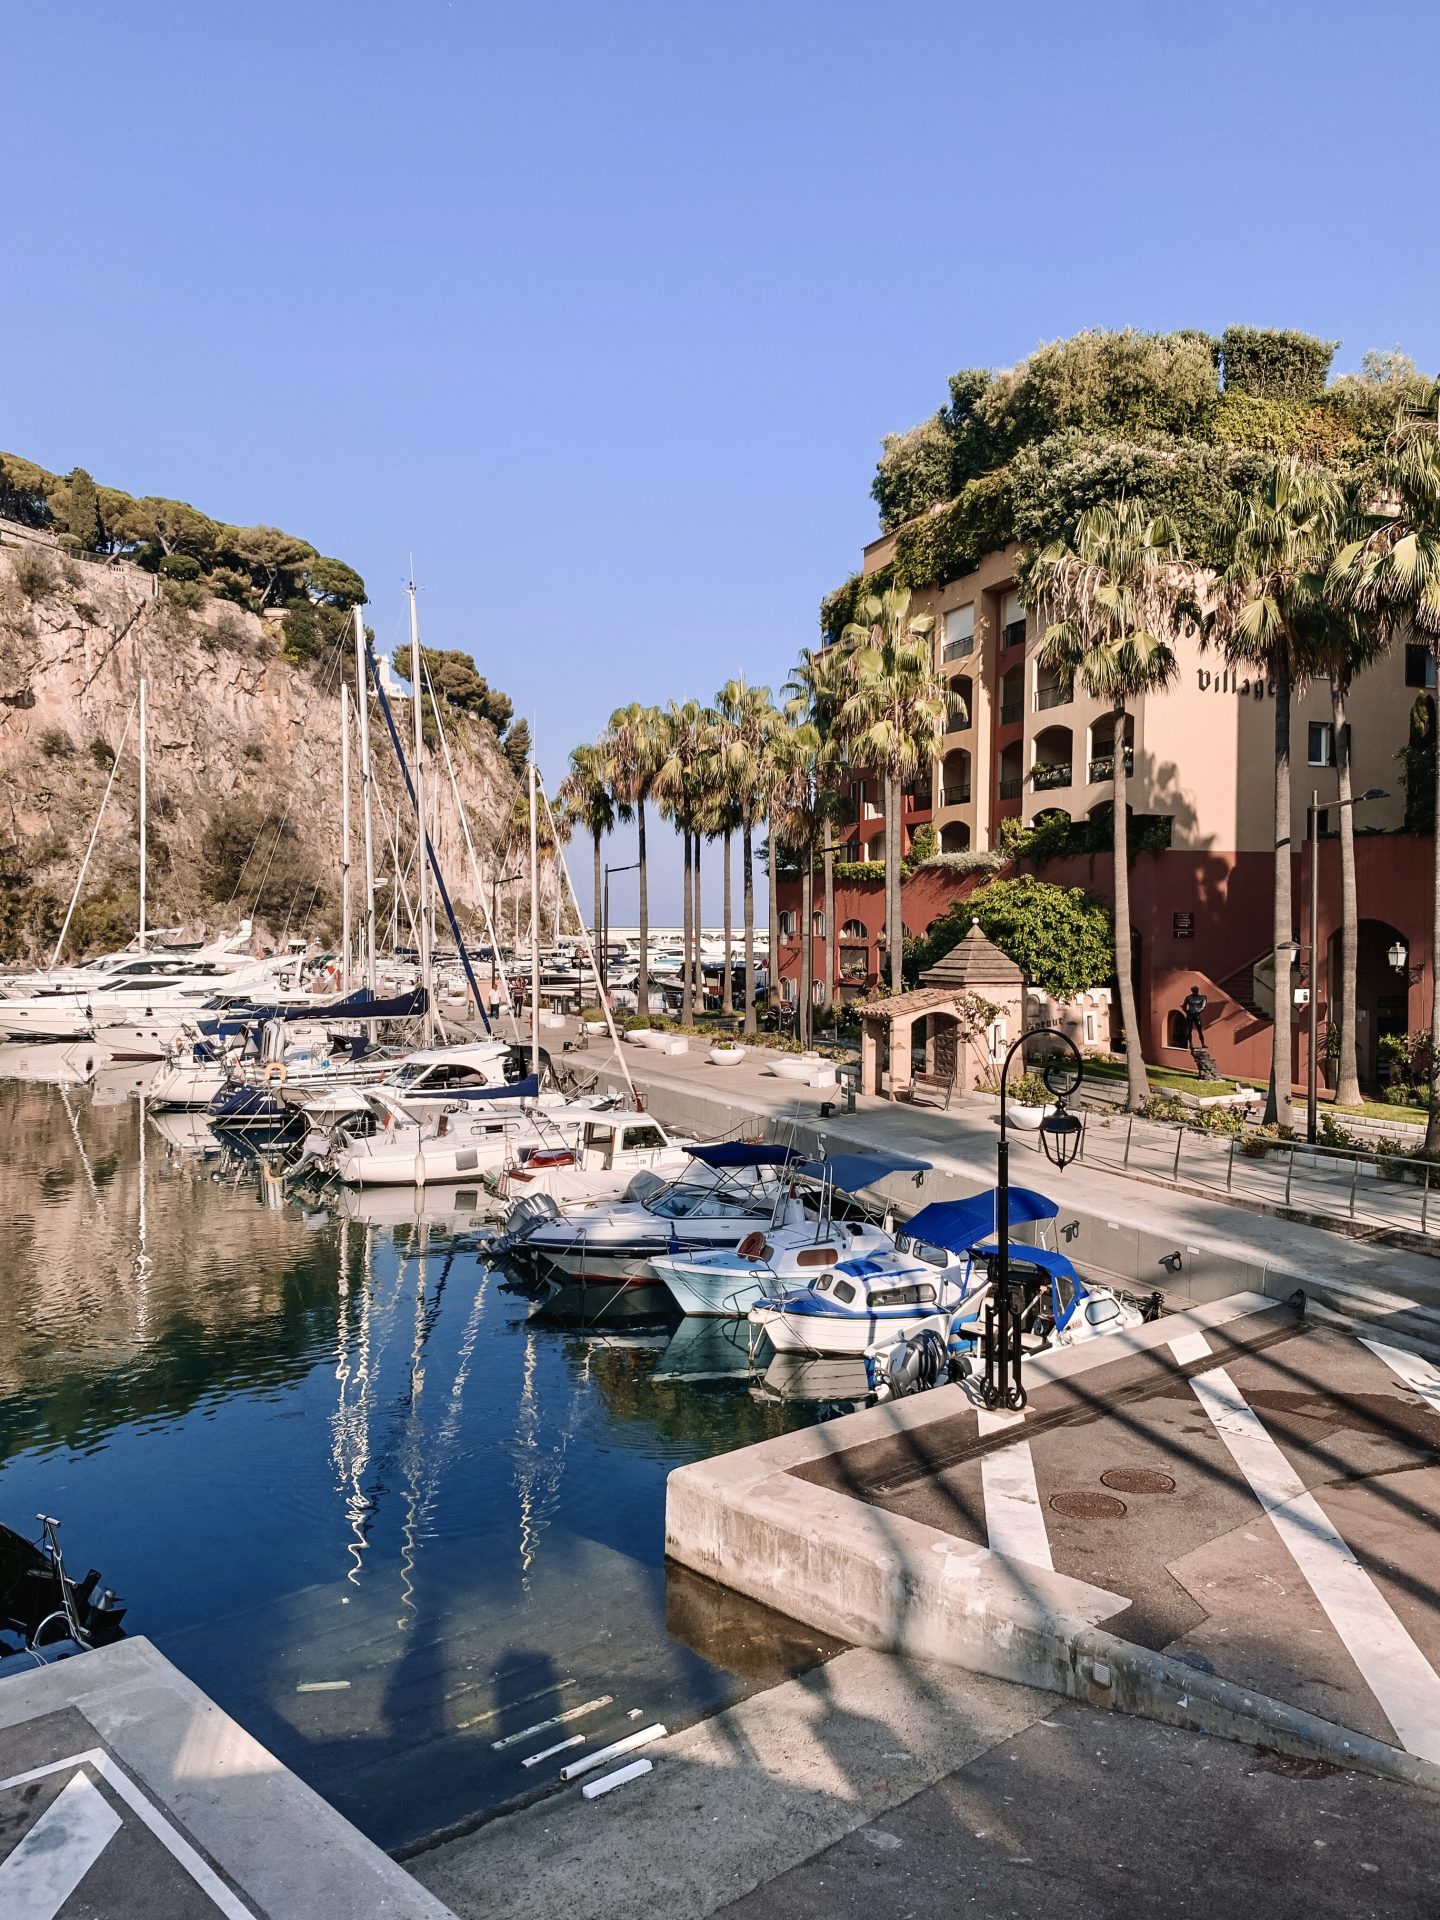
<point>344,1479</point>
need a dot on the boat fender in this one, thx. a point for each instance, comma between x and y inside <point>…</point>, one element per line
<point>276,1070</point>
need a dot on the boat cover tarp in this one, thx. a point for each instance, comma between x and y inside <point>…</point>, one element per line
<point>526,1089</point>
<point>744,1153</point>
<point>851,1171</point>
<point>1055,1264</point>
<point>960,1225</point>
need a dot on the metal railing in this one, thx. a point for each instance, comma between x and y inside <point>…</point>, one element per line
<point>1347,1184</point>
<point>1011,711</point>
<point>958,795</point>
<point>1052,773</point>
<point>1059,696</point>
<point>1012,786</point>
<point>1103,766</point>
<point>1013,635</point>
<point>958,649</point>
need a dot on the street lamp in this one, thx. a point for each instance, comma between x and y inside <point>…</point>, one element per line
<point>1060,1135</point>
<point>496,882</point>
<point>633,867</point>
<point>1312,1068</point>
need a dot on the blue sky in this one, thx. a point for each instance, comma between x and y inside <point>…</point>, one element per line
<point>603,309</point>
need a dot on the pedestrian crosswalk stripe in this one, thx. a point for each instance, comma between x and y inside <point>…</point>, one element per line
<point>40,1874</point>
<point>1410,1368</point>
<point>1393,1667</point>
<point>1014,1518</point>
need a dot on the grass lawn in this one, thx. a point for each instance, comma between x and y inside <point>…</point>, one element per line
<point>1382,1110</point>
<point>1167,1077</point>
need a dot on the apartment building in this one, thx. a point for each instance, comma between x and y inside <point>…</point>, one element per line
<point>1200,758</point>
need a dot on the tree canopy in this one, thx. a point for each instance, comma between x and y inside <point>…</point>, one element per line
<point>1061,938</point>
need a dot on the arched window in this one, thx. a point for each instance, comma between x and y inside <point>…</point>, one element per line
<point>817,924</point>
<point>854,930</point>
<point>787,920</point>
<point>1175,1029</point>
<point>789,992</point>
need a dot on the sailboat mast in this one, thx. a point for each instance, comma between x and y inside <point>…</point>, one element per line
<point>144,808</point>
<point>417,685</point>
<point>345,835</point>
<point>534,928</point>
<point>362,700</point>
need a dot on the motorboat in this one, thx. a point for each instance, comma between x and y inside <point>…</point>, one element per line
<point>42,1606</point>
<point>726,1192</point>
<point>139,987</point>
<point>462,1142</point>
<point>796,1247</point>
<point>1061,1309</point>
<point>930,1280</point>
<point>616,1146</point>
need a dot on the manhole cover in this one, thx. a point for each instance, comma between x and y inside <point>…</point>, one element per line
<point>1137,1480</point>
<point>1087,1506</point>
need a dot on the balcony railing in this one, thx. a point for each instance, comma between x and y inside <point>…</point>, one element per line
<point>1011,711</point>
<point>958,649</point>
<point>1103,766</point>
<point>918,799</point>
<point>958,720</point>
<point>957,794</point>
<point>1012,786</point>
<point>1013,635</point>
<point>1053,773</point>
<point>1058,696</point>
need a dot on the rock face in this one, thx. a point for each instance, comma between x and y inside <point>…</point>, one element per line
<point>236,733</point>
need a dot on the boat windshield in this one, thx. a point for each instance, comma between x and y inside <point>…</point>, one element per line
<point>683,1201</point>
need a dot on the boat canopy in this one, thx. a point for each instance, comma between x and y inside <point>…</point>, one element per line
<point>851,1171</point>
<point>744,1153</point>
<point>1054,1264</point>
<point>959,1225</point>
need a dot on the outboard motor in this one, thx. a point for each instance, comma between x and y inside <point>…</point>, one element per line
<point>911,1366</point>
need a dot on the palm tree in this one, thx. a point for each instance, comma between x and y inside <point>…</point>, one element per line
<point>1393,571</point>
<point>585,797</point>
<point>744,738</point>
<point>892,718</point>
<point>631,749</point>
<point>796,816</point>
<point>820,682</point>
<point>1113,596</point>
<point>681,744</point>
<point>1344,642</point>
<point>1279,542</point>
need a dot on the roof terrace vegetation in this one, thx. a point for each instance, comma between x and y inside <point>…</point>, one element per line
<point>1180,421</point>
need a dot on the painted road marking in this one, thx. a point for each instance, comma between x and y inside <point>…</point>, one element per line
<point>169,1836</point>
<point>1013,1515</point>
<point>56,1854</point>
<point>1414,1371</point>
<point>989,1422</point>
<point>1393,1667</point>
<point>1191,1346</point>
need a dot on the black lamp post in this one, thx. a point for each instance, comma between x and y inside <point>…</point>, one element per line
<point>1312,1065</point>
<point>1060,1136</point>
<point>604,955</point>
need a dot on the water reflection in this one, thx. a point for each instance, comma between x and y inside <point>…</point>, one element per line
<point>319,1443</point>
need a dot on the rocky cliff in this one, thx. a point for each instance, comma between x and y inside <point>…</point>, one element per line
<point>243,761</point>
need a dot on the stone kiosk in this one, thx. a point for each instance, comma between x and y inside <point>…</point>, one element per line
<point>959,1048</point>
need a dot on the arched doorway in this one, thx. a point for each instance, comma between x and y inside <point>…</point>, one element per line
<point>1382,996</point>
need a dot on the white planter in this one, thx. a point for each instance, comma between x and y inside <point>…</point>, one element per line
<point>1026,1119</point>
<point>641,1036</point>
<point>795,1066</point>
<point>594,1027</point>
<point>677,1044</point>
<point>658,1039</point>
<point>726,1056</point>
<point>552,1020</point>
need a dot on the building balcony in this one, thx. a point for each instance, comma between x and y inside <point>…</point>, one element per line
<point>1012,786</point>
<point>957,649</point>
<point>1053,697</point>
<point>957,794</point>
<point>1055,773</point>
<point>1012,712</point>
<point>1013,635</point>
<point>1103,767</point>
<point>918,800</point>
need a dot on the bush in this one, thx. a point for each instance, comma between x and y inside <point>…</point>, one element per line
<point>184,596</point>
<point>1061,938</point>
<point>1030,1090</point>
<point>253,855</point>
<point>55,743</point>
<point>180,566</point>
<point>1275,363</point>
<point>35,572</point>
<point>101,752</point>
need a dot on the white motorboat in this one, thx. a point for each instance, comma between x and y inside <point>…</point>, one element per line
<point>797,1246</point>
<point>617,1145</point>
<point>727,1191</point>
<point>930,1280</point>
<point>463,1143</point>
<point>137,990</point>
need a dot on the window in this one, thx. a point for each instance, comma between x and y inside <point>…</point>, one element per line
<point>789,992</point>
<point>644,1138</point>
<point>1322,744</point>
<point>844,1292</point>
<point>959,633</point>
<point>1419,667</point>
<point>787,921</point>
<point>1175,1029</point>
<point>816,1257</point>
<point>1097,1312</point>
<point>817,925</point>
<point>1012,620</point>
<point>1092,1031</point>
<point>817,993</point>
<point>854,930</point>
